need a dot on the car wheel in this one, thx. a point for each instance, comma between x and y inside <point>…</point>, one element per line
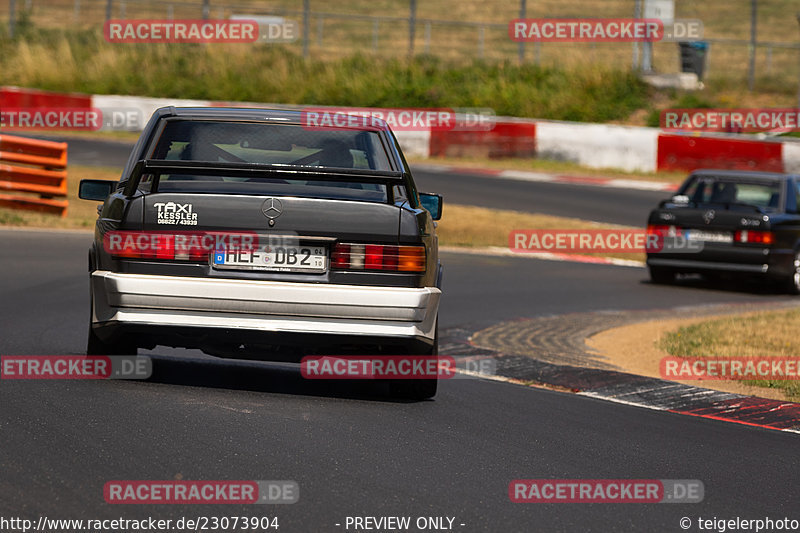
<point>661,275</point>
<point>792,282</point>
<point>419,389</point>
<point>97,346</point>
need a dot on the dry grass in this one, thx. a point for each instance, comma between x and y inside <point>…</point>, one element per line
<point>470,226</point>
<point>330,37</point>
<point>769,334</point>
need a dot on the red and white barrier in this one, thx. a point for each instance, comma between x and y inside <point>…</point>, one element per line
<point>16,97</point>
<point>635,149</point>
<point>598,145</point>
<point>688,152</point>
<point>508,138</point>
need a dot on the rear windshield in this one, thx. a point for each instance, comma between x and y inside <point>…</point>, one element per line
<point>711,190</point>
<point>277,144</point>
<point>271,144</point>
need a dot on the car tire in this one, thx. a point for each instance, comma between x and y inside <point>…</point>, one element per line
<point>419,389</point>
<point>662,275</point>
<point>792,282</point>
<point>97,346</point>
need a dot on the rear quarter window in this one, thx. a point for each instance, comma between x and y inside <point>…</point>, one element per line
<point>710,190</point>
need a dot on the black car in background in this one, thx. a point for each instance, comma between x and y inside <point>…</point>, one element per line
<point>346,260</point>
<point>742,223</point>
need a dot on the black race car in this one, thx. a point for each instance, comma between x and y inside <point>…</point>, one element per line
<point>246,233</point>
<point>740,222</point>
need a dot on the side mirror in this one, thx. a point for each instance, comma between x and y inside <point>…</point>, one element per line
<point>97,190</point>
<point>680,199</point>
<point>432,203</point>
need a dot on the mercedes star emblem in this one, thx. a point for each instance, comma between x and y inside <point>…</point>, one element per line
<point>272,209</point>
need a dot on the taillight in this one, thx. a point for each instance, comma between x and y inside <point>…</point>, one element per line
<point>664,231</point>
<point>340,256</point>
<point>378,257</point>
<point>754,237</point>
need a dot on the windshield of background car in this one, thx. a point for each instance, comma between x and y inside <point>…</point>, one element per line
<point>713,190</point>
<point>271,144</point>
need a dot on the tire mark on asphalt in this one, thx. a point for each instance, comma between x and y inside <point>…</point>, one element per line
<point>561,340</point>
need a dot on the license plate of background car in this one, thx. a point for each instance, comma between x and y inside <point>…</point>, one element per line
<point>709,236</point>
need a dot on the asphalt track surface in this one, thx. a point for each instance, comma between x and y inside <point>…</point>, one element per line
<point>352,450</point>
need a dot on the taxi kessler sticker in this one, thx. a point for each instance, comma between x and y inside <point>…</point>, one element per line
<point>175,214</point>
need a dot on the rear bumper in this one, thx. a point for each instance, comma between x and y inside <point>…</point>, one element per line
<point>708,265</point>
<point>133,301</point>
<point>767,262</point>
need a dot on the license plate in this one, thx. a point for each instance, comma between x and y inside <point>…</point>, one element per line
<point>275,258</point>
<point>709,236</point>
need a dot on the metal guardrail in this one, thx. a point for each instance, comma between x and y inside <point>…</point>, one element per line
<point>35,167</point>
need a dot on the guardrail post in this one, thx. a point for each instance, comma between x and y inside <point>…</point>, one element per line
<point>521,47</point>
<point>12,17</point>
<point>751,70</point>
<point>306,24</point>
<point>797,15</point>
<point>412,26</point>
<point>637,14</point>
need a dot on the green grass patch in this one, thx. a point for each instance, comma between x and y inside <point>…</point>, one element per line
<point>82,61</point>
<point>769,334</point>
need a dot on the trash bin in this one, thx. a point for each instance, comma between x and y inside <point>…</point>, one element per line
<point>693,57</point>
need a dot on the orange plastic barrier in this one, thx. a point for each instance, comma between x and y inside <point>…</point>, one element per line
<point>33,166</point>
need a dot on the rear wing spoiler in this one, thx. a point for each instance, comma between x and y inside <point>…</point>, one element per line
<point>256,170</point>
<point>671,202</point>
